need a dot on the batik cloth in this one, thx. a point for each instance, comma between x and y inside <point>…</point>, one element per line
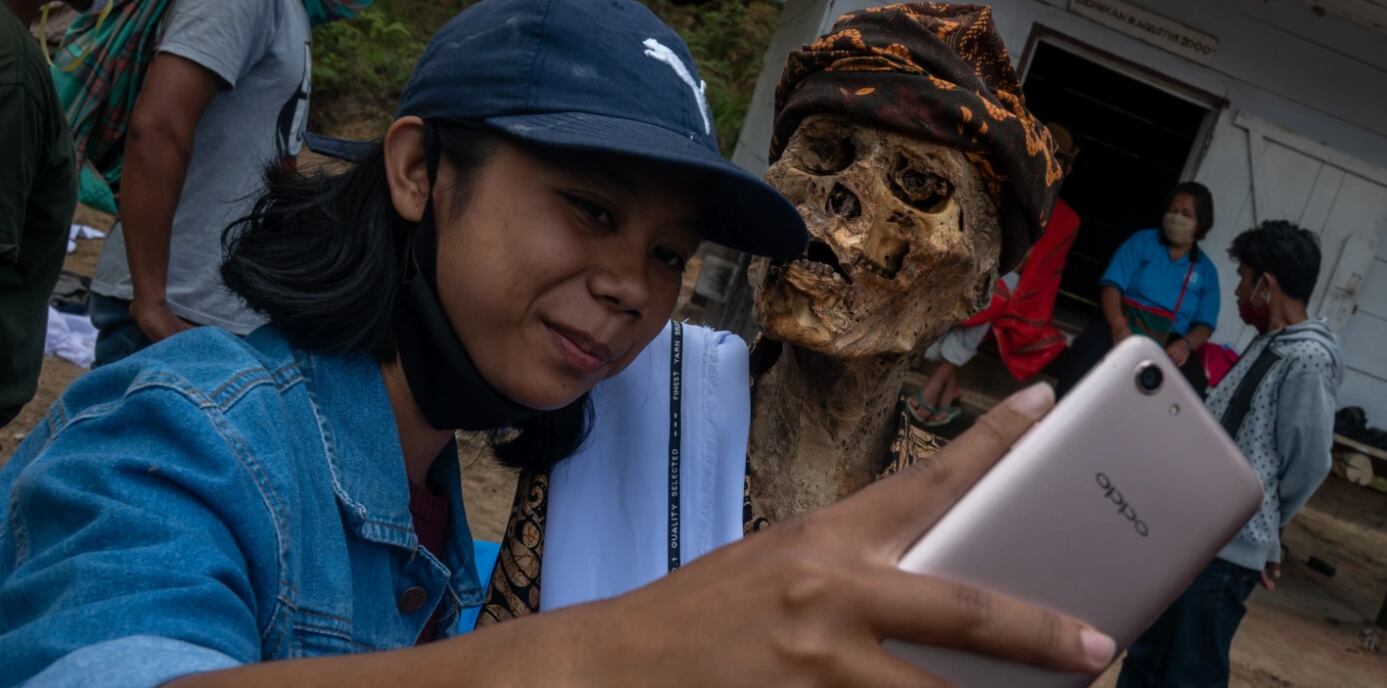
<point>97,73</point>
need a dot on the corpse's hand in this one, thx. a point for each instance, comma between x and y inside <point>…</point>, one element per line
<point>808,602</point>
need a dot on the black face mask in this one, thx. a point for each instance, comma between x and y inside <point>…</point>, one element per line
<point>442,378</point>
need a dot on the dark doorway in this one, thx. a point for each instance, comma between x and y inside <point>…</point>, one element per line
<point>1135,140</point>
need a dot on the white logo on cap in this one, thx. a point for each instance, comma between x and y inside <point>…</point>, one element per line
<point>659,51</point>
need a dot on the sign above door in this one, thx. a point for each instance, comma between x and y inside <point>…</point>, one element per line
<point>1149,27</point>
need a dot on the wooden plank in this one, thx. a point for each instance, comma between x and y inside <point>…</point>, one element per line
<point>1360,210</point>
<point>1256,165</point>
<point>1346,281</point>
<point>1363,350</point>
<point>1362,468</point>
<point>1372,299</point>
<point>1369,13</point>
<point>1360,447</point>
<point>1312,147</point>
<point>1287,177</point>
<point>1322,198</point>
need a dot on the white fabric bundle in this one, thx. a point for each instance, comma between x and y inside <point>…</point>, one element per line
<point>70,337</point>
<point>607,527</point>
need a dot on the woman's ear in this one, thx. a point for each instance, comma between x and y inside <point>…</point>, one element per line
<point>406,168</point>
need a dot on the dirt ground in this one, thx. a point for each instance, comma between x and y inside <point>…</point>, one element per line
<point>1304,635</point>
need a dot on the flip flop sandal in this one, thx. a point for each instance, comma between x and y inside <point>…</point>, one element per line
<point>914,406</point>
<point>942,416</point>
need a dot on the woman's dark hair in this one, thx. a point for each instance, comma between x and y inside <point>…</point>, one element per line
<point>1203,207</point>
<point>322,256</point>
<point>1283,249</point>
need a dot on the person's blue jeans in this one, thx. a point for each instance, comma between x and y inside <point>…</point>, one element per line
<point>1188,646</point>
<point>117,333</point>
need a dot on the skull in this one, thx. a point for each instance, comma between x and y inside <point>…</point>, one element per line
<point>904,242</point>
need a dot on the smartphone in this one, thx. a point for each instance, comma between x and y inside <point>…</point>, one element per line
<point>1106,510</point>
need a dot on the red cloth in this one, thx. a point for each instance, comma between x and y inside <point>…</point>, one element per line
<point>1022,318</point>
<point>429,512</point>
<point>1218,360</point>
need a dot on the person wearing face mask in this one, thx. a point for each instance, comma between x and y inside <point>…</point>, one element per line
<point>37,196</point>
<point>1278,404</point>
<point>1160,285</point>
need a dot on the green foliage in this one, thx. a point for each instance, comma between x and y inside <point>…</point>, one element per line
<point>361,65</point>
<point>728,39</point>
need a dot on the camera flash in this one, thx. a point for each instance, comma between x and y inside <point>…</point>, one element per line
<point>1174,409</point>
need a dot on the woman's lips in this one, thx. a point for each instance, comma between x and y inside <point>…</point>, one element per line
<point>580,351</point>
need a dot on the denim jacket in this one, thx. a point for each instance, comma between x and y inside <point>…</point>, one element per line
<point>215,501</point>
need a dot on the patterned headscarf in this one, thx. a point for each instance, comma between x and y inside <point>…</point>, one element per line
<point>324,11</point>
<point>940,72</point>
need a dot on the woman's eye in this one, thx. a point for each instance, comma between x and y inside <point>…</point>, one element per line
<point>670,258</point>
<point>593,210</point>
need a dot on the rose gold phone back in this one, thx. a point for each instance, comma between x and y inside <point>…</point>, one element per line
<point>1106,511</point>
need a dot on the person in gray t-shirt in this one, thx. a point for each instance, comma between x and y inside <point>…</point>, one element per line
<point>226,95</point>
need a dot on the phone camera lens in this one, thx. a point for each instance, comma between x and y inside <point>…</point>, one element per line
<point>1149,378</point>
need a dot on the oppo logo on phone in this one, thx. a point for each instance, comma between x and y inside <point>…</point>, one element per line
<point>1123,508</point>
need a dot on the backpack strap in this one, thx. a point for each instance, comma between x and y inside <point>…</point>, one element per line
<point>1241,402</point>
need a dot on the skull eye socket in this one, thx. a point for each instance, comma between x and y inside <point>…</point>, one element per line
<point>827,154</point>
<point>844,203</point>
<point>924,190</point>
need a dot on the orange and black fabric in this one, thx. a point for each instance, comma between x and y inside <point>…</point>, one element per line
<point>513,591</point>
<point>940,72</point>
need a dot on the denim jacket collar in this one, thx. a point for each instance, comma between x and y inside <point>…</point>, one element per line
<point>357,427</point>
<point>362,446</point>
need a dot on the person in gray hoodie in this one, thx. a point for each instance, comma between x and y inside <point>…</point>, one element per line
<point>1278,404</point>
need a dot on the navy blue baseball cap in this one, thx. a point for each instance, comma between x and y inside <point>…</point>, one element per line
<point>598,75</point>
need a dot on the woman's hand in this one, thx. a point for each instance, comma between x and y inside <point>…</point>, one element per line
<point>1119,332</point>
<point>809,601</point>
<point>1110,300</point>
<point>1178,351</point>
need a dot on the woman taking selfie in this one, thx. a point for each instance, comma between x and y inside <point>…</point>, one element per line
<point>197,510</point>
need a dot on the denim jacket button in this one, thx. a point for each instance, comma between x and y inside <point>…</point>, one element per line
<point>412,599</point>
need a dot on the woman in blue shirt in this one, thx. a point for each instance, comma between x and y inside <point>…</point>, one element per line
<point>190,513</point>
<point>1160,285</point>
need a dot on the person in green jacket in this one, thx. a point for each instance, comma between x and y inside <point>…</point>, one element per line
<point>38,192</point>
